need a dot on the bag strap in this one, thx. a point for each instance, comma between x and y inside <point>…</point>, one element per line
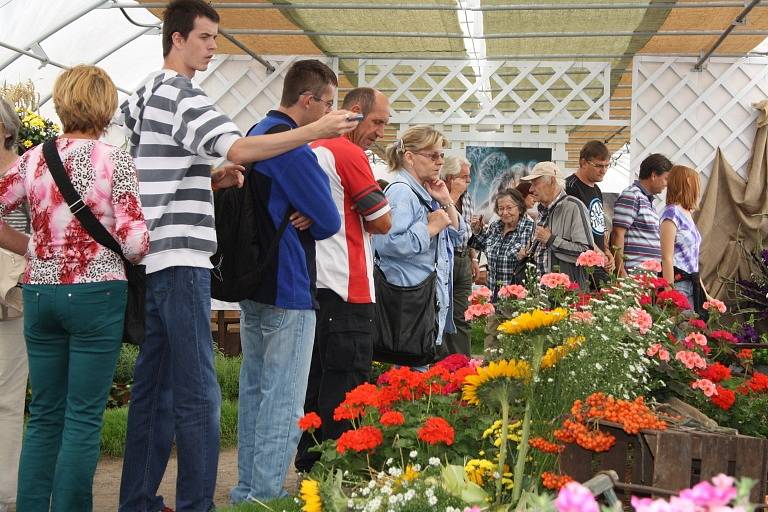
<point>76,204</point>
<point>426,205</point>
<point>278,128</point>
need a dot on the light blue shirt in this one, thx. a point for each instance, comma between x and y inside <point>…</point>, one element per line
<point>407,254</point>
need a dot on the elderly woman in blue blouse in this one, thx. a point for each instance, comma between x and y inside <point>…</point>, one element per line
<point>407,253</point>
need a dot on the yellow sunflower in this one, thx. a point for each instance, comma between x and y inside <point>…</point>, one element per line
<point>555,354</point>
<point>310,495</point>
<point>501,370</point>
<point>533,320</point>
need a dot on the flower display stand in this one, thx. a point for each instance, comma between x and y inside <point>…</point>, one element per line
<point>672,459</point>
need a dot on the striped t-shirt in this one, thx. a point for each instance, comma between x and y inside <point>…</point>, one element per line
<point>175,135</point>
<point>634,212</point>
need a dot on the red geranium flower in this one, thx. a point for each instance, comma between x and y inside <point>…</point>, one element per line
<point>724,398</point>
<point>758,383</point>
<point>453,362</point>
<point>310,421</point>
<point>436,430</point>
<point>659,282</point>
<point>724,335</point>
<point>674,298</point>
<point>697,323</point>
<point>392,418</point>
<point>716,372</point>
<point>363,439</point>
<point>645,299</point>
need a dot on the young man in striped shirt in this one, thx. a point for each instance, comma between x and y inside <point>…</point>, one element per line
<point>176,133</point>
<point>341,358</point>
<point>635,234</point>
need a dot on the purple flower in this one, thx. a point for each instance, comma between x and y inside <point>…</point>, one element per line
<point>748,334</point>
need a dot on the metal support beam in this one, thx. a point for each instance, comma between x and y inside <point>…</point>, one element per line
<point>740,19</point>
<point>44,60</point>
<point>540,56</point>
<point>226,33</point>
<point>110,51</point>
<point>446,7</point>
<point>510,35</point>
<point>77,15</point>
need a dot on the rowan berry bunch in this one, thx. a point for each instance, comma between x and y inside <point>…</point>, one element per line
<point>545,446</point>
<point>554,481</point>
<point>583,427</point>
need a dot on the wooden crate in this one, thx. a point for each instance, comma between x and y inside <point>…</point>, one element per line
<point>672,459</point>
<point>225,330</point>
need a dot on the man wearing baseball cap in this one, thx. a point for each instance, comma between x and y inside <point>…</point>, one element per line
<point>563,230</point>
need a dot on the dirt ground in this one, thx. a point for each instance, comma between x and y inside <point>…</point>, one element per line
<point>106,483</point>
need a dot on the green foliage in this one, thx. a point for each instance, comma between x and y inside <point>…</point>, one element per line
<point>126,362</point>
<point>228,375</point>
<point>113,431</point>
<point>278,505</point>
<point>477,338</point>
<point>116,425</point>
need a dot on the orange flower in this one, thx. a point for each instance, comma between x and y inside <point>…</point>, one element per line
<point>360,440</point>
<point>392,418</point>
<point>436,430</point>
<point>310,421</point>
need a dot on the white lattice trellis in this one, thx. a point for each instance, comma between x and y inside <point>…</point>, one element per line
<point>242,88</point>
<point>687,115</point>
<point>468,92</point>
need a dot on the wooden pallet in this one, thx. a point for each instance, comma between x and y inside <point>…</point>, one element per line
<point>673,459</point>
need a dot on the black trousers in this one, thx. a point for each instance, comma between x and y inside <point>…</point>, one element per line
<point>341,361</point>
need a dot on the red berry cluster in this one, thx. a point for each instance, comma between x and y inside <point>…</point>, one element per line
<point>554,481</point>
<point>633,416</point>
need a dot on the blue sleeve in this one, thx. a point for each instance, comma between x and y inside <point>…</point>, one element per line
<point>309,191</point>
<point>457,235</point>
<point>408,234</point>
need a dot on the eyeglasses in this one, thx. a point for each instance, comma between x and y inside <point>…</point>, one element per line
<point>508,209</point>
<point>599,166</point>
<point>328,103</point>
<point>434,156</point>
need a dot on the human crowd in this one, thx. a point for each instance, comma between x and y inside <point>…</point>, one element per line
<point>308,328</point>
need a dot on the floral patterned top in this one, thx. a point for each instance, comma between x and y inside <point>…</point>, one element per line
<point>60,250</point>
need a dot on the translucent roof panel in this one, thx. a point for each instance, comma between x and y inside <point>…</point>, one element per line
<point>78,32</point>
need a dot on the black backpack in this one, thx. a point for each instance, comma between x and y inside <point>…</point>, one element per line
<point>242,252</point>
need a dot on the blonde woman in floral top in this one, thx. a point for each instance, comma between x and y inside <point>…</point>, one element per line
<point>74,292</point>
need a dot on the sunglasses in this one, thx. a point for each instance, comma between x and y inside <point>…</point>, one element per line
<point>434,156</point>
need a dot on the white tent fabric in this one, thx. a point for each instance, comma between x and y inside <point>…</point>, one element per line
<point>85,40</point>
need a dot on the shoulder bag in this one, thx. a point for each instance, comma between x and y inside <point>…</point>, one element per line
<point>406,316</point>
<point>133,325</point>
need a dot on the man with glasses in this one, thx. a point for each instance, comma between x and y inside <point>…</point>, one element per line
<point>278,319</point>
<point>594,161</point>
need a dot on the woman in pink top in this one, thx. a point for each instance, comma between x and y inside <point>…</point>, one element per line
<point>74,292</point>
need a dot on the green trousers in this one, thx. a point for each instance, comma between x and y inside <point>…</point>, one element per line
<point>73,335</point>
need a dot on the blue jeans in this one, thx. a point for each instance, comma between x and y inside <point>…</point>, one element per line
<point>73,335</point>
<point>175,394</point>
<point>277,351</point>
<point>686,288</point>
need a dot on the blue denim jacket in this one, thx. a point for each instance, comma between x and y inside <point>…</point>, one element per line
<point>407,254</point>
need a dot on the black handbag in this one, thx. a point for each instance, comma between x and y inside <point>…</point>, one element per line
<point>406,317</point>
<point>133,325</point>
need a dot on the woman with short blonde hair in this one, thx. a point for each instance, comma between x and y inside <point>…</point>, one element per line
<point>680,238</point>
<point>74,291</point>
<point>425,222</point>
